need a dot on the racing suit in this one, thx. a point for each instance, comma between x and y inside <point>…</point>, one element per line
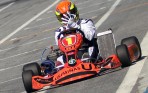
<point>88,28</point>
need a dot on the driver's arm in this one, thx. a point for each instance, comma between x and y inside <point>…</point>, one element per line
<point>56,37</point>
<point>87,26</point>
<point>57,32</point>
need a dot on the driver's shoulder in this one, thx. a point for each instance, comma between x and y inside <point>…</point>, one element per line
<point>85,21</point>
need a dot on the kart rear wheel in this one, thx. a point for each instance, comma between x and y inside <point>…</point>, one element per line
<point>132,40</point>
<point>123,55</point>
<point>34,67</point>
<point>27,80</point>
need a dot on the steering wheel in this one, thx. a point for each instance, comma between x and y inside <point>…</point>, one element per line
<point>69,31</point>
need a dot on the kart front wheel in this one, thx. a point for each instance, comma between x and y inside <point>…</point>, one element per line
<point>123,55</point>
<point>27,80</point>
<point>132,40</point>
<point>34,67</point>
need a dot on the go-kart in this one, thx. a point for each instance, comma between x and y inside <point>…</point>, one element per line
<point>75,68</point>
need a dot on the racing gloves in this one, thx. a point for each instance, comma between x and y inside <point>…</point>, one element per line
<point>69,20</point>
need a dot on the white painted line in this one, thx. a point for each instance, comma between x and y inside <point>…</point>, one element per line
<point>78,8</point>
<point>93,11</point>
<point>19,54</point>
<point>40,25</point>
<point>25,44</point>
<point>49,12</point>
<point>28,22</point>
<point>134,71</point>
<point>91,5</point>
<point>51,17</point>
<point>12,67</point>
<point>88,2</point>
<point>10,80</point>
<point>6,7</point>
<point>83,2</point>
<point>99,23</point>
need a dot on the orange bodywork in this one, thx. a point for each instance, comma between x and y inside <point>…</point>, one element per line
<point>79,71</point>
<point>114,62</point>
<point>67,74</point>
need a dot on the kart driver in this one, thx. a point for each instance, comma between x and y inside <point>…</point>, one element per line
<point>68,15</point>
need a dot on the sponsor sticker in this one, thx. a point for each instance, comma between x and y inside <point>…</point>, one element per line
<point>72,61</point>
<point>68,71</point>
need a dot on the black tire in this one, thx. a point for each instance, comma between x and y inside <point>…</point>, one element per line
<point>34,67</point>
<point>27,80</point>
<point>132,40</point>
<point>123,55</point>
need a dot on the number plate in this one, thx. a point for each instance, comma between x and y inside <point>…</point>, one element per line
<point>69,40</point>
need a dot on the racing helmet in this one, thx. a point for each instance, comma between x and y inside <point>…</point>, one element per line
<point>66,6</point>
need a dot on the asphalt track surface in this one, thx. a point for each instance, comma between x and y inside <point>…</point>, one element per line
<point>129,18</point>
